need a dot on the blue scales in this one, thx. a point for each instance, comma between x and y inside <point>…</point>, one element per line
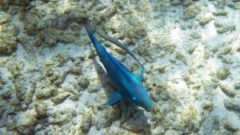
<point>129,86</point>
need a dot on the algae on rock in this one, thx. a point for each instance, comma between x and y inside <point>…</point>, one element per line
<point>8,32</point>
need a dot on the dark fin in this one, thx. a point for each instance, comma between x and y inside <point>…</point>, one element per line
<point>124,48</point>
<point>113,98</point>
<point>116,42</point>
<point>139,73</point>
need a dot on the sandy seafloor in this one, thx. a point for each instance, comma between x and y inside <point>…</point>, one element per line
<point>52,82</point>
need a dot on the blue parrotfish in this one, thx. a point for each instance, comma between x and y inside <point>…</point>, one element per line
<point>129,86</point>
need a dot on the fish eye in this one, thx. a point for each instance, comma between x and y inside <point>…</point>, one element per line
<point>133,98</point>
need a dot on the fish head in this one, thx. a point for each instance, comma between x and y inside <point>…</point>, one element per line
<point>139,97</point>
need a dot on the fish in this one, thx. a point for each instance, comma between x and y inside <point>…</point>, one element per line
<point>129,86</point>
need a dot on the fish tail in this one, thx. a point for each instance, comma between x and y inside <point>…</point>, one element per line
<point>90,33</point>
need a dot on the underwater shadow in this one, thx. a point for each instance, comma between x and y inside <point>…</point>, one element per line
<point>101,73</point>
<point>134,119</point>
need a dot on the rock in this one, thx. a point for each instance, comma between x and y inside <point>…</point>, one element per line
<point>204,19</point>
<point>237,85</point>
<point>227,90</point>
<point>225,51</point>
<point>86,122</point>
<point>191,11</point>
<point>60,97</point>
<point>137,123</point>
<point>192,48</point>
<point>180,56</point>
<point>44,93</point>
<point>25,122</point>
<point>8,35</point>
<point>207,105</point>
<point>106,117</point>
<point>223,27</point>
<point>30,93</point>
<point>83,83</point>
<point>220,13</point>
<point>231,126</point>
<point>223,73</point>
<point>41,109</point>
<point>64,114</point>
<point>232,105</point>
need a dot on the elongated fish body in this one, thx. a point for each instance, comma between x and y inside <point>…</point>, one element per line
<point>128,85</point>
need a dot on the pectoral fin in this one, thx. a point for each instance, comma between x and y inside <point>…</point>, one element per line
<point>113,98</point>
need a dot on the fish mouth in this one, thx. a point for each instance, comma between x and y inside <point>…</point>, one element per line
<point>149,109</point>
<point>149,106</point>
